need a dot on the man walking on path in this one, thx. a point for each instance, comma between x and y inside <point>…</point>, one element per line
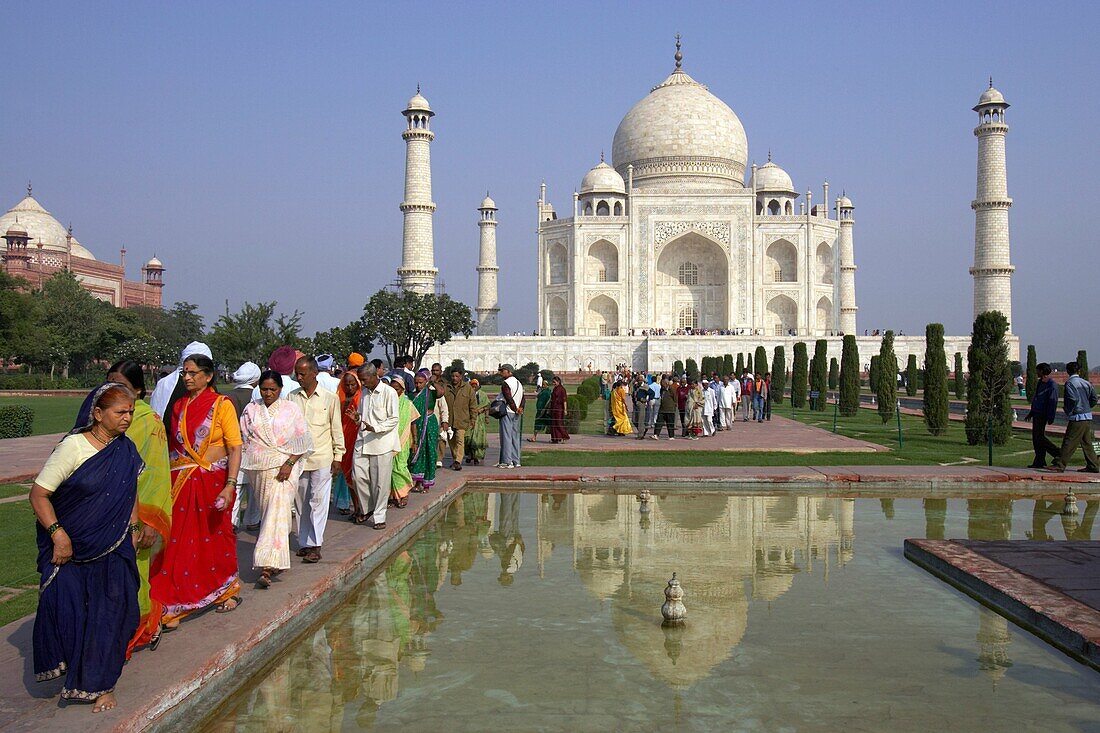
<point>377,444</point>
<point>321,409</point>
<point>682,390</point>
<point>512,392</point>
<point>1079,400</point>
<point>731,391</point>
<point>747,395</point>
<point>667,408</point>
<point>1044,406</point>
<point>461,407</point>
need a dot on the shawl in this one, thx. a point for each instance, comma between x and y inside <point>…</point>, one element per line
<point>272,433</point>
<point>155,482</point>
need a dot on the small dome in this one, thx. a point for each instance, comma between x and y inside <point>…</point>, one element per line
<point>602,179</point>
<point>845,203</point>
<point>16,230</point>
<point>418,103</point>
<point>154,264</point>
<point>43,229</point>
<point>771,178</point>
<point>991,96</point>
<point>487,203</point>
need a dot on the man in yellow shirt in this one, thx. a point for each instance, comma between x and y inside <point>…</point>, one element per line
<point>322,412</point>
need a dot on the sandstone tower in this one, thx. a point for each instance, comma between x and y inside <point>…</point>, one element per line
<point>992,268</point>
<point>487,308</point>
<point>845,213</point>
<point>417,272</point>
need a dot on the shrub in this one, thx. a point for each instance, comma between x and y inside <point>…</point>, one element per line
<point>849,377</point>
<point>526,373</point>
<point>834,373</point>
<point>911,376</point>
<point>1031,382</point>
<point>707,366</point>
<point>988,407</point>
<point>727,364</point>
<point>16,421</point>
<point>819,374</point>
<point>760,360</point>
<point>748,364</point>
<point>935,380</point>
<point>740,364</point>
<point>779,375</point>
<point>887,388</point>
<point>576,411</point>
<point>547,376</point>
<point>799,375</point>
<point>589,389</point>
<point>677,368</point>
<point>1083,363</point>
<point>692,369</point>
<point>873,373</point>
<point>960,378</point>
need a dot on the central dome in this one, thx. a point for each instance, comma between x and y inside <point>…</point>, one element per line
<point>681,133</point>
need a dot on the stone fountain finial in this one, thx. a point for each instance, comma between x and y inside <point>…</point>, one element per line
<point>673,608</point>
<point>1071,502</point>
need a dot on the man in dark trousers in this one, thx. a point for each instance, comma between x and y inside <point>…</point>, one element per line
<point>1080,398</point>
<point>1044,406</point>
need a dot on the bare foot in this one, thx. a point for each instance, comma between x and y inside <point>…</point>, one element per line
<point>104,703</point>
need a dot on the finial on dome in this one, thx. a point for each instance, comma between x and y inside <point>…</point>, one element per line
<point>679,56</point>
<point>990,81</point>
<point>69,232</point>
<point>418,87</point>
<point>601,156</point>
<point>769,155</point>
<point>29,188</point>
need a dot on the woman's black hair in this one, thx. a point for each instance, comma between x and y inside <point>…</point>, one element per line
<point>205,364</point>
<point>273,375</point>
<point>133,372</point>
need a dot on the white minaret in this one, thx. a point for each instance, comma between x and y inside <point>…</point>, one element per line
<point>846,214</point>
<point>992,268</point>
<point>417,272</point>
<point>487,308</point>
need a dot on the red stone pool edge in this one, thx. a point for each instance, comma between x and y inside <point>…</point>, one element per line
<point>1051,589</point>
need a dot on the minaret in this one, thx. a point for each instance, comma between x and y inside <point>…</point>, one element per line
<point>992,268</point>
<point>487,309</point>
<point>417,272</point>
<point>846,215</point>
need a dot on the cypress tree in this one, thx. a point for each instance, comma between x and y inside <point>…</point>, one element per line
<point>911,376</point>
<point>1031,381</point>
<point>935,380</point>
<point>727,364</point>
<point>989,384</point>
<point>834,373</point>
<point>740,364</point>
<point>872,374</point>
<point>887,390</point>
<point>779,375</point>
<point>707,366</point>
<point>677,367</point>
<point>798,376</point>
<point>960,380</point>
<point>761,360</point>
<point>1083,364</point>
<point>748,363</point>
<point>692,369</point>
<point>819,377</point>
<point>849,377</point>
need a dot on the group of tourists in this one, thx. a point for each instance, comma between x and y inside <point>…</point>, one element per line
<point>704,406</point>
<point>138,507</point>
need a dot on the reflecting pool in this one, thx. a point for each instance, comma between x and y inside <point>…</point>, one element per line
<point>541,612</point>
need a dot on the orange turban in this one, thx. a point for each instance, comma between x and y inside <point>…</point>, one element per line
<point>355,359</point>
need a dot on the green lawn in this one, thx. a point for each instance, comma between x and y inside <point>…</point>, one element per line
<point>51,414</point>
<point>8,490</point>
<point>18,573</point>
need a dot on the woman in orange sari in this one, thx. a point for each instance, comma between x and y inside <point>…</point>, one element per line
<point>348,393</point>
<point>199,566</point>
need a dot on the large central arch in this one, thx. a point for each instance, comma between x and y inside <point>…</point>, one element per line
<point>692,272</point>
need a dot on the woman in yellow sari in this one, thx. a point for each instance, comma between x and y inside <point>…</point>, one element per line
<point>401,481</point>
<point>621,425</point>
<point>154,487</point>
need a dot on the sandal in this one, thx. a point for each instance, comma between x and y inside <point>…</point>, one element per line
<point>401,504</point>
<point>359,519</point>
<point>224,607</point>
<point>264,580</point>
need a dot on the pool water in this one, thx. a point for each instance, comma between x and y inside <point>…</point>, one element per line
<point>537,612</point>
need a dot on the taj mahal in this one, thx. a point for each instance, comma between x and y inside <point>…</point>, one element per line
<point>679,248</point>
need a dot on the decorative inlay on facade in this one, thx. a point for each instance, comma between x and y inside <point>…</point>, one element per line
<point>666,230</point>
<point>589,239</point>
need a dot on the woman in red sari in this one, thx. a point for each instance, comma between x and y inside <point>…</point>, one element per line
<point>558,412</point>
<point>348,393</point>
<point>199,565</point>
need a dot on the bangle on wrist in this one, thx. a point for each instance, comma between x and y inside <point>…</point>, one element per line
<point>52,529</point>
<point>136,527</point>
<point>231,482</point>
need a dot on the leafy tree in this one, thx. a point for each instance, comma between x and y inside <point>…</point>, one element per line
<point>988,408</point>
<point>247,335</point>
<point>18,315</point>
<point>410,323</point>
<point>740,364</point>
<point>935,380</point>
<point>692,369</point>
<point>287,330</point>
<point>819,374</point>
<point>834,373</point>
<point>1083,363</point>
<point>799,375</point>
<point>849,377</point>
<point>779,375</point>
<point>960,378</point>
<point>63,302</point>
<point>760,360</point>
<point>1031,383</point>
<point>911,376</point>
<point>727,364</point>
<point>677,368</point>
<point>887,388</point>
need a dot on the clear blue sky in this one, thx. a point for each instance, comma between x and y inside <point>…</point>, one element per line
<point>256,149</point>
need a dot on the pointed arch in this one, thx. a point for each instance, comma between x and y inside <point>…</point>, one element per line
<point>782,316</point>
<point>557,316</point>
<point>602,264</point>
<point>602,318</point>
<point>824,264</point>
<point>692,271</point>
<point>824,315</point>
<point>781,262</point>
<point>557,264</point>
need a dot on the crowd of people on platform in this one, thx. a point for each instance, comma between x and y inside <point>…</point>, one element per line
<point>643,404</point>
<point>138,507</point>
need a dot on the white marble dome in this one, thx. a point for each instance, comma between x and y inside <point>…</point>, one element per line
<point>991,96</point>
<point>771,178</point>
<point>680,130</point>
<point>154,264</point>
<point>41,227</point>
<point>418,103</point>
<point>487,203</point>
<point>602,179</point>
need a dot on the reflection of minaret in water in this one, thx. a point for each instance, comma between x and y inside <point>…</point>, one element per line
<point>935,518</point>
<point>991,519</point>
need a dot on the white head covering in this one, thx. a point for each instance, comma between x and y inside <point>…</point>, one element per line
<point>193,348</point>
<point>162,393</point>
<point>248,373</point>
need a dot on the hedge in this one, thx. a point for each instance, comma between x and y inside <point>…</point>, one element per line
<point>16,421</point>
<point>43,381</point>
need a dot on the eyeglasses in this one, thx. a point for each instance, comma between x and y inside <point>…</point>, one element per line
<point>187,373</point>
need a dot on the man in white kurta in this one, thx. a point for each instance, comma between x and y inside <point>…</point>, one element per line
<point>731,395</point>
<point>376,446</point>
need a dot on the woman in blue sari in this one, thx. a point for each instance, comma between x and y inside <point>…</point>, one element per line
<point>85,500</point>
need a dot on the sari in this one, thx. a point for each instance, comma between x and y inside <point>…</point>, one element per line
<point>88,607</point>
<point>695,402</point>
<point>199,566</point>
<point>427,438</point>
<point>401,480</point>
<point>342,494</point>
<point>621,424</point>
<point>542,410</point>
<point>476,440</point>
<point>154,488</point>
<point>271,434</point>
<point>558,399</point>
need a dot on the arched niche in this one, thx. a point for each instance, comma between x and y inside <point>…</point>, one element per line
<point>602,318</point>
<point>602,264</point>
<point>782,316</point>
<point>557,264</point>
<point>557,316</point>
<point>694,270</point>
<point>824,318</point>
<point>781,262</point>
<point>824,264</point>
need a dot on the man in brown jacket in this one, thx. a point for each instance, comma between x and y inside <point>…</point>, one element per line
<point>461,404</point>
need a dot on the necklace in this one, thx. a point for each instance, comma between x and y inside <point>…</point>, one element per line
<point>101,440</point>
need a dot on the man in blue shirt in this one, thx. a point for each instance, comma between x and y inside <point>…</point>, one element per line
<point>1044,406</point>
<point>1080,398</point>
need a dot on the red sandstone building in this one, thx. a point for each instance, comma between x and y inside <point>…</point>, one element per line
<point>37,246</point>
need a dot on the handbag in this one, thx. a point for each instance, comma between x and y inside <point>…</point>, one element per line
<point>498,408</point>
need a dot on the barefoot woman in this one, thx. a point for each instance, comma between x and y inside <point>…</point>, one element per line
<point>85,500</point>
